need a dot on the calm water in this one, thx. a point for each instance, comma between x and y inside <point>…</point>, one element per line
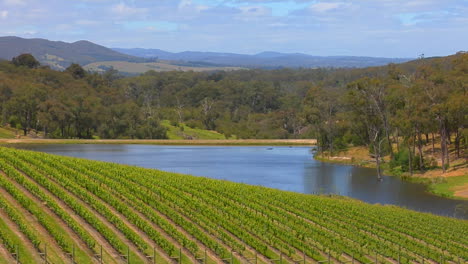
<point>285,168</point>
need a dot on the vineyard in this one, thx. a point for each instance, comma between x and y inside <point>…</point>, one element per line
<point>57,209</point>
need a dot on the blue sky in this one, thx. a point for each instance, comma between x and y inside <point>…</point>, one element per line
<point>386,28</point>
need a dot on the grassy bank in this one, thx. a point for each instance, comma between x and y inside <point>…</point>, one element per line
<point>7,133</point>
<point>92,208</point>
<point>452,184</point>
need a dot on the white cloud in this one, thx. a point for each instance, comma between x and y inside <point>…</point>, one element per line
<point>3,14</point>
<point>122,9</point>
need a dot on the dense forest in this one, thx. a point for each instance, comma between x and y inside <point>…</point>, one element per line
<point>391,109</point>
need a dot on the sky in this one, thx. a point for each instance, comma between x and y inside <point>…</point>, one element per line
<point>379,28</point>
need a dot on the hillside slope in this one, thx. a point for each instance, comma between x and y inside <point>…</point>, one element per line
<point>88,210</point>
<point>134,68</point>
<point>264,59</point>
<point>59,54</point>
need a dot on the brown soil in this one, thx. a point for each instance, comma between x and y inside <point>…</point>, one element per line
<point>53,249</point>
<point>461,191</point>
<point>439,173</point>
<point>140,233</point>
<point>210,254</point>
<point>5,256</point>
<point>260,258</point>
<point>106,247</point>
<point>24,240</point>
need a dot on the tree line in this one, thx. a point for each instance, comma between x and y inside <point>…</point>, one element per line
<point>394,109</point>
<point>397,114</point>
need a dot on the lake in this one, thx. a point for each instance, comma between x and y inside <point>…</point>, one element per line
<point>285,168</point>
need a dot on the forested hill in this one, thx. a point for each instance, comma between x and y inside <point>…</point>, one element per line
<point>337,106</point>
<point>58,54</point>
<point>266,60</point>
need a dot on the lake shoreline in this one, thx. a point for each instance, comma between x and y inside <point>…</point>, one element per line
<point>200,142</point>
<point>453,187</point>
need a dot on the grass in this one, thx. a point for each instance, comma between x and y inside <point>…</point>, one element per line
<point>6,133</point>
<point>14,241</point>
<point>448,186</point>
<point>177,136</point>
<point>183,132</point>
<point>225,216</point>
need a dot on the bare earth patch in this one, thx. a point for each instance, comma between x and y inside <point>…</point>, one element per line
<point>461,191</point>
<point>439,173</point>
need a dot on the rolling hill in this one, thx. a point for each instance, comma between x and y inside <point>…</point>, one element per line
<point>59,54</point>
<point>264,59</point>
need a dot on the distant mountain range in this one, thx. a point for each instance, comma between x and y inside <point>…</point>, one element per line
<point>60,55</point>
<point>266,59</point>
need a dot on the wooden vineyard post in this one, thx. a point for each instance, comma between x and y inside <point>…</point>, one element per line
<point>72,254</point>
<point>202,259</point>
<point>16,254</point>
<point>44,254</point>
<point>126,257</point>
<point>231,258</point>
<point>328,258</point>
<point>179,258</point>
<point>280,260</point>
<point>352,258</point>
<point>249,260</point>
<point>99,256</point>
<point>153,257</point>
<point>399,252</point>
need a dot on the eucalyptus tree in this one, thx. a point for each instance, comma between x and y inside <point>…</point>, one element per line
<point>367,101</point>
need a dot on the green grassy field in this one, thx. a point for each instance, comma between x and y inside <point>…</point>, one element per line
<point>78,208</point>
<point>183,132</point>
<point>448,185</point>
<point>6,133</point>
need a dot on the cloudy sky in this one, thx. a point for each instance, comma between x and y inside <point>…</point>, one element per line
<point>387,28</point>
